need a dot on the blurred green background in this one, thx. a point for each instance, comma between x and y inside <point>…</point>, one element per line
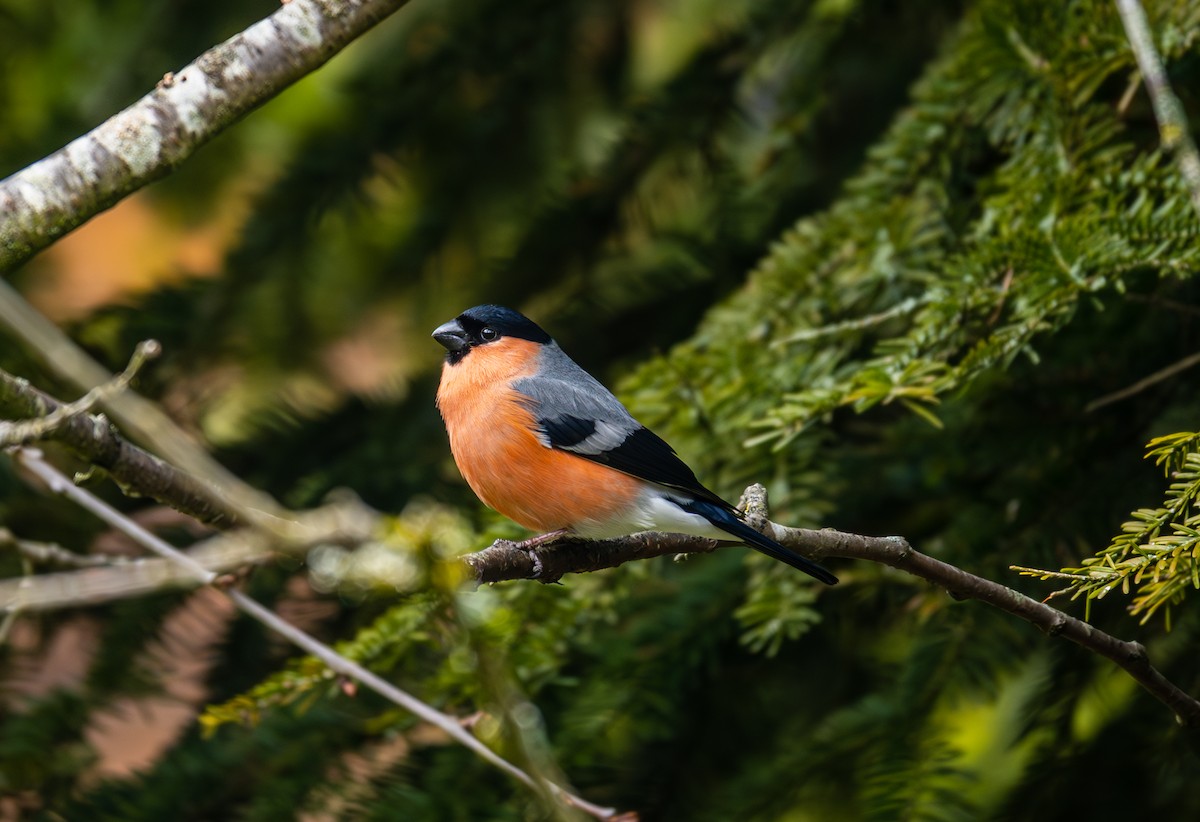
<point>880,256</point>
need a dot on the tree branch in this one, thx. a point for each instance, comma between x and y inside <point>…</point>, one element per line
<point>138,473</point>
<point>345,523</point>
<point>1168,111</point>
<point>59,484</point>
<point>45,553</point>
<point>187,109</point>
<point>508,560</point>
<point>504,559</point>
<point>26,431</point>
<point>1146,382</point>
<point>138,417</point>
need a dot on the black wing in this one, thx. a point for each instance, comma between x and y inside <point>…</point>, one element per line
<point>646,455</point>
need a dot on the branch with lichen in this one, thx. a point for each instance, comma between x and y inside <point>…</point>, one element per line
<point>187,109</point>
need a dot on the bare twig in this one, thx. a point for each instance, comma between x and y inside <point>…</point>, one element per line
<point>138,418</point>
<point>26,431</point>
<point>1172,121</point>
<point>1163,302</point>
<point>341,523</point>
<point>46,553</point>
<point>60,484</point>
<point>506,560</point>
<point>1142,384</point>
<point>137,472</point>
<point>858,324</point>
<point>187,109</point>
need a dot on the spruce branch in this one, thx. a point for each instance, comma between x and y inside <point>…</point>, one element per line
<point>508,560</point>
<point>187,109</point>
<point>32,461</point>
<point>1168,111</point>
<point>1154,557</point>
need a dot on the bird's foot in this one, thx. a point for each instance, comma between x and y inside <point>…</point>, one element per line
<point>530,546</point>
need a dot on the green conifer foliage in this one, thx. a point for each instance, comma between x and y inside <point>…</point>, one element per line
<point>943,281</point>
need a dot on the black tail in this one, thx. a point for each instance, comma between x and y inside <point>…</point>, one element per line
<point>727,521</point>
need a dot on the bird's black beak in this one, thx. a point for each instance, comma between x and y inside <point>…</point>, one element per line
<point>452,336</point>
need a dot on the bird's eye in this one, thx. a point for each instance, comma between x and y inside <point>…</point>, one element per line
<point>487,333</point>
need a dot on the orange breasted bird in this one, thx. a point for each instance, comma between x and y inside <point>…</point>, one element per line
<point>544,443</point>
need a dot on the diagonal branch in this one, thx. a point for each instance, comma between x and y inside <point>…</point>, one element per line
<point>187,109</point>
<point>138,473</point>
<point>508,560</point>
<point>44,553</point>
<point>58,483</point>
<point>345,522</point>
<point>1168,111</point>
<point>139,417</point>
<point>26,431</point>
<point>1141,385</point>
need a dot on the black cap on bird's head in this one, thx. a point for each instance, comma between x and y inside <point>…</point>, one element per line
<point>484,324</point>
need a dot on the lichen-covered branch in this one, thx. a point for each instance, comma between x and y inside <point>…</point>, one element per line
<point>508,560</point>
<point>41,203</point>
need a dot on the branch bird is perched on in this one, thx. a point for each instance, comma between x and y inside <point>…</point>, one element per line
<point>545,444</point>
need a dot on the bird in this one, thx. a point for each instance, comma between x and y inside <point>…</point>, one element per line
<point>540,440</point>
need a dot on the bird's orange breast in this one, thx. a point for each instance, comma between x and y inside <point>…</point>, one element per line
<point>494,439</point>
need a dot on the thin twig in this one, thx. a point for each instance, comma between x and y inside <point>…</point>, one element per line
<point>47,553</point>
<point>346,523</point>
<point>1142,384</point>
<point>138,472</point>
<point>1168,111</point>
<point>507,560</point>
<point>32,461</point>
<point>26,431</point>
<point>846,326</point>
<point>1163,302</point>
<point>138,417</point>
